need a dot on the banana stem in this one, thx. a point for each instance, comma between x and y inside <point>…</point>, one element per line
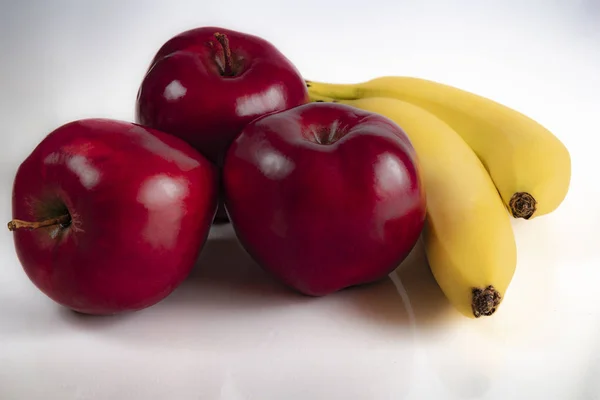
<point>334,90</point>
<point>317,98</point>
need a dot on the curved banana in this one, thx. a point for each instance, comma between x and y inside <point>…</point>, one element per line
<point>468,237</point>
<point>530,167</point>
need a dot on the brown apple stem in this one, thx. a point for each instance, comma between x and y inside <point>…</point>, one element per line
<point>228,60</point>
<point>19,224</point>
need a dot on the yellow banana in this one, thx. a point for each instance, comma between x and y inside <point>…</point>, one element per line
<point>530,167</point>
<point>468,237</point>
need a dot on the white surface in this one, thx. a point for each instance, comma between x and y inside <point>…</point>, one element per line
<point>232,333</point>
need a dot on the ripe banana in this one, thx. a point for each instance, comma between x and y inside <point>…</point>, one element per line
<point>468,237</point>
<point>530,167</point>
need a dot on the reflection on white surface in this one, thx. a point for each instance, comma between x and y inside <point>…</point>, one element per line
<point>230,329</point>
<point>264,102</point>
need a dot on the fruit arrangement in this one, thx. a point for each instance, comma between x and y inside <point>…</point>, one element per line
<point>327,186</point>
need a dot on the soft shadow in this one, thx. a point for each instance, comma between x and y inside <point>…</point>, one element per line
<point>95,322</point>
<point>43,318</point>
<point>226,272</point>
<point>30,320</point>
<point>228,292</point>
<point>235,281</point>
<point>227,278</point>
<point>377,303</point>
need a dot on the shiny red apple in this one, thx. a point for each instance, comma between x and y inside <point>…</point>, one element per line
<point>204,85</point>
<point>324,196</point>
<point>110,216</point>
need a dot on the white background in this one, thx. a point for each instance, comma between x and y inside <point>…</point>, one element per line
<point>230,332</point>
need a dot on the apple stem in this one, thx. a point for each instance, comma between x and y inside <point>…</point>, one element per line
<point>16,224</point>
<point>228,60</point>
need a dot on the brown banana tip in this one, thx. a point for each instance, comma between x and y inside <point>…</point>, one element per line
<point>522,205</point>
<point>485,301</point>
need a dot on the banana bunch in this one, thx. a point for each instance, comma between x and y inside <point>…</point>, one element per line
<point>530,167</point>
<point>479,159</point>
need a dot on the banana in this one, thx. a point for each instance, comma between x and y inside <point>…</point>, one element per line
<point>468,236</point>
<point>530,167</point>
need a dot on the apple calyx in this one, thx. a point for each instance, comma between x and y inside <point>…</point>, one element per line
<point>327,135</point>
<point>16,224</point>
<point>227,68</point>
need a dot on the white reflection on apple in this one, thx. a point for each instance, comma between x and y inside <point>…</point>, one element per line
<point>88,175</point>
<point>161,195</point>
<point>391,174</point>
<point>174,91</point>
<point>260,103</point>
<point>274,165</point>
<point>156,146</point>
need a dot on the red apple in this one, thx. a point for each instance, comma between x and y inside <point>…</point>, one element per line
<point>204,85</point>
<point>324,196</point>
<point>110,216</point>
